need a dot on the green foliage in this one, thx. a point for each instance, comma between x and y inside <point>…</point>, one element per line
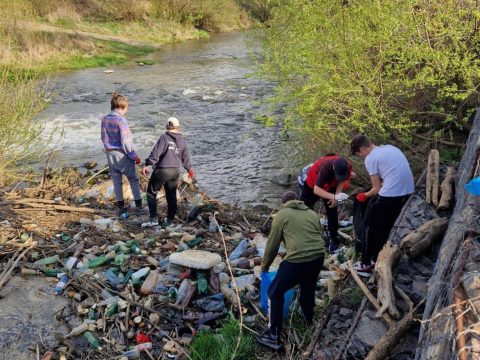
<point>20,100</point>
<point>387,68</point>
<point>354,296</point>
<point>223,344</point>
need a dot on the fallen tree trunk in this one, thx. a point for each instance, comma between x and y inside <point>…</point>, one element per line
<point>437,334</point>
<point>447,189</point>
<point>383,269</point>
<point>419,240</point>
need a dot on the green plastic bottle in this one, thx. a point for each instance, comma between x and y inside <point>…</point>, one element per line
<point>134,247</point>
<point>202,283</point>
<point>47,261</point>
<point>92,340</point>
<point>52,272</point>
<point>111,309</point>
<point>120,259</point>
<point>92,263</point>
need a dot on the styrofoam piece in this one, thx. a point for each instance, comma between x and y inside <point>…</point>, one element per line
<point>196,259</point>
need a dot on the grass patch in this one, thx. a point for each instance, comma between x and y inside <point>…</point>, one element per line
<point>353,296</point>
<point>221,345</point>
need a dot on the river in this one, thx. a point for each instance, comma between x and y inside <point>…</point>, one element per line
<point>207,85</point>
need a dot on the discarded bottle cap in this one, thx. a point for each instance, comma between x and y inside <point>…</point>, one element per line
<point>137,320</point>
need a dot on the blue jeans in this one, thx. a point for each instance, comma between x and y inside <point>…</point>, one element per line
<point>120,164</point>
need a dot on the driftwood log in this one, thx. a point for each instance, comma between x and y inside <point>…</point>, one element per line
<point>433,173</point>
<point>419,240</point>
<point>437,333</point>
<point>383,269</point>
<point>447,189</point>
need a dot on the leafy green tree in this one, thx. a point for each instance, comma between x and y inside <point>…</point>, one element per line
<point>405,70</point>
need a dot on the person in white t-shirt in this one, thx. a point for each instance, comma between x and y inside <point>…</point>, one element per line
<point>392,180</point>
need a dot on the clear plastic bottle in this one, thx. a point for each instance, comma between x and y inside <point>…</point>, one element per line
<point>235,254</point>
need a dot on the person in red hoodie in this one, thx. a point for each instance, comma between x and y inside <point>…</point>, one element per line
<point>326,180</point>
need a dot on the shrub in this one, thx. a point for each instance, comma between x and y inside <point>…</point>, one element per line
<point>393,69</point>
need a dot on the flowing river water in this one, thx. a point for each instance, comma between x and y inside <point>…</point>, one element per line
<point>207,85</point>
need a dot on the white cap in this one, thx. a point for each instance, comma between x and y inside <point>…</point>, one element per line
<point>173,122</point>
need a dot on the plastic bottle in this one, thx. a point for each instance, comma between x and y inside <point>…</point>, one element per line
<point>134,247</point>
<point>143,346</point>
<point>235,254</point>
<point>150,283</point>
<point>47,261</point>
<point>92,340</point>
<point>249,263</point>
<point>131,354</point>
<point>212,226</point>
<point>52,272</point>
<point>140,273</point>
<point>212,303</point>
<point>61,285</point>
<point>111,309</point>
<point>92,263</point>
<point>120,259</point>
<point>202,283</point>
<point>78,330</point>
<point>112,276</point>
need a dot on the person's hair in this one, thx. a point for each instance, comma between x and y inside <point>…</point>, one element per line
<point>170,127</point>
<point>289,195</point>
<point>358,142</point>
<point>118,101</point>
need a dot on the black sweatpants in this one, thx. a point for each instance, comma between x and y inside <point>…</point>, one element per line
<point>379,223</point>
<point>310,199</point>
<point>290,274</point>
<point>167,177</point>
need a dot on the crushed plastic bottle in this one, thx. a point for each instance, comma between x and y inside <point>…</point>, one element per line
<point>140,273</point>
<point>121,258</point>
<point>134,247</point>
<point>212,226</point>
<point>92,263</point>
<point>214,303</point>
<point>150,282</point>
<point>239,249</point>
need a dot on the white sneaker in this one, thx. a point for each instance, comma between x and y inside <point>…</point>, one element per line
<point>150,223</point>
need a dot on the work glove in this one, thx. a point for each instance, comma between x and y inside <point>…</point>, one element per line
<point>137,160</point>
<point>346,185</point>
<point>340,197</point>
<point>361,197</point>
<point>191,173</point>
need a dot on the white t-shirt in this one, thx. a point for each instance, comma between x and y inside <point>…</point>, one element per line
<point>389,163</point>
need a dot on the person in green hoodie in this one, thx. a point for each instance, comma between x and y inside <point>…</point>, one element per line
<point>298,227</point>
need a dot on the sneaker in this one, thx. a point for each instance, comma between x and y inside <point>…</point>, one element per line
<point>269,340</point>
<point>150,223</point>
<point>332,247</point>
<point>363,270</point>
<point>168,223</point>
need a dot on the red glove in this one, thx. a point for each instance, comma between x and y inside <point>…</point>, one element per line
<point>191,173</point>
<point>361,197</point>
<point>346,185</point>
<point>137,161</point>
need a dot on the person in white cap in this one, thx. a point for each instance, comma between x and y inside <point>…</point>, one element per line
<point>167,156</point>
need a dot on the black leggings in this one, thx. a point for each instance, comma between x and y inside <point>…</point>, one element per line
<point>168,178</point>
<point>310,199</point>
<point>290,274</point>
<point>379,223</point>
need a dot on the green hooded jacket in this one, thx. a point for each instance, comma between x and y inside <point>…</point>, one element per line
<point>299,229</point>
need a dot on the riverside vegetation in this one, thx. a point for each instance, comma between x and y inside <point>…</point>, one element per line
<point>29,53</point>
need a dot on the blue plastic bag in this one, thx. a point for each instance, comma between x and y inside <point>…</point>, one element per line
<point>473,186</point>
<point>266,280</point>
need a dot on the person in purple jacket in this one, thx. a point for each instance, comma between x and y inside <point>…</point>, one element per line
<point>167,156</point>
<point>121,156</point>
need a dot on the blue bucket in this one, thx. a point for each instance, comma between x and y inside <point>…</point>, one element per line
<point>266,280</point>
<point>473,186</point>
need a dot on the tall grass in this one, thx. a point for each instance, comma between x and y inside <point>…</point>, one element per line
<point>223,344</point>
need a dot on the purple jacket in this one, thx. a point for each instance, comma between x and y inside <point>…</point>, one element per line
<point>170,151</point>
<point>116,134</point>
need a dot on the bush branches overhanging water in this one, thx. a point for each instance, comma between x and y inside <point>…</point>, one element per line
<point>399,69</point>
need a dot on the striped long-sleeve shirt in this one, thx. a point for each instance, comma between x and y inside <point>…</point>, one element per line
<point>116,134</point>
